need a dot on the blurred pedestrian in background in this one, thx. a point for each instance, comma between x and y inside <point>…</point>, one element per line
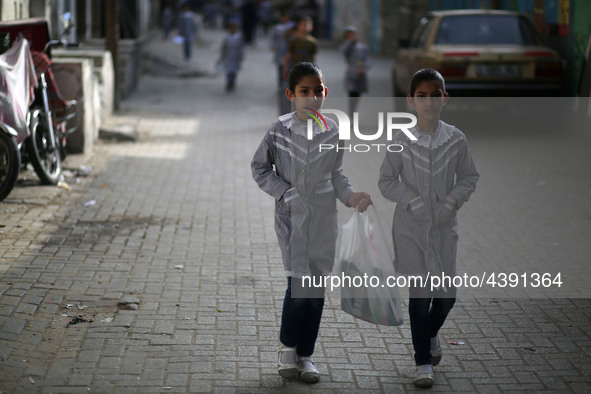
<point>167,21</point>
<point>302,47</point>
<point>310,8</point>
<point>265,15</point>
<point>211,10</point>
<point>278,41</point>
<point>357,57</point>
<point>231,54</point>
<point>187,28</point>
<point>249,13</point>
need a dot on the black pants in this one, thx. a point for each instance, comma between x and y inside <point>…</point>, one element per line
<point>300,320</point>
<point>353,102</point>
<point>230,81</point>
<point>427,311</point>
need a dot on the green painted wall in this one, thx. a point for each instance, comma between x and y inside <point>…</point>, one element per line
<point>580,30</point>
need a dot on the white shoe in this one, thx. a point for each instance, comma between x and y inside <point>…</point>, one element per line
<point>307,370</point>
<point>288,369</point>
<point>423,376</point>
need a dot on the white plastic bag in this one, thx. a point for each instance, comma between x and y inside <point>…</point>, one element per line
<point>365,254</point>
<point>178,39</point>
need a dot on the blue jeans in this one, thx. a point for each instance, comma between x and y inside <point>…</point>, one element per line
<point>300,321</point>
<point>427,311</point>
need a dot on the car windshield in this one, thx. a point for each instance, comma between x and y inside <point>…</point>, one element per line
<point>486,30</point>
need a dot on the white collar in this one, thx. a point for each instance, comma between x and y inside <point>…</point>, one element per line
<point>435,139</point>
<point>296,125</point>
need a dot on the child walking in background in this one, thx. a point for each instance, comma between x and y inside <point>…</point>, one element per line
<point>231,54</point>
<point>305,183</point>
<point>278,41</point>
<point>357,57</point>
<point>167,20</point>
<point>302,47</point>
<point>430,179</point>
<point>187,28</point>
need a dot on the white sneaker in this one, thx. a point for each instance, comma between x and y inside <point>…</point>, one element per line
<point>287,362</point>
<point>423,376</point>
<point>307,370</point>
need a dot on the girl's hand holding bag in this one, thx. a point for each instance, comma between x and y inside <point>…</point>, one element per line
<point>364,251</point>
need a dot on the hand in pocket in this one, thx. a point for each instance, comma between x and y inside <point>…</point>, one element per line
<point>418,209</point>
<point>447,210</point>
<point>291,200</point>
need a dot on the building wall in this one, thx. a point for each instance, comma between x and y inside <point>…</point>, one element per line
<point>144,17</point>
<point>14,9</point>
<point>581,34</point>
<point>398,19</point>
<point>352,12</point>
<point>39,9</point>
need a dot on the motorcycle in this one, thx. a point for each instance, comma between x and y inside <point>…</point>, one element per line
<point>38,137</point>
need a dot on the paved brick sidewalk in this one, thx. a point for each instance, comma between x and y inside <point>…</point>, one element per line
<point>176,221</point>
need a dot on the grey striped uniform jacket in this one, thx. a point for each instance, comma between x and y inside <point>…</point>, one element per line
<point>305,183</point>
<point>357,57</point>
<point>425,228</point>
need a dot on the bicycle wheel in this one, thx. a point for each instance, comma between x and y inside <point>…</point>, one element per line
<point>46,159</point>
<point>10,164</point>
